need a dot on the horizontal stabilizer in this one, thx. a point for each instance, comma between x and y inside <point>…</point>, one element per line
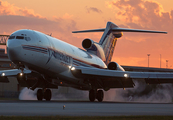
<point>135,30</point>
<point>117,29</point>
<point>93,30</point>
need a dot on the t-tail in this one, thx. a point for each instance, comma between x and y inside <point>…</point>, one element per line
<point>108,40</point>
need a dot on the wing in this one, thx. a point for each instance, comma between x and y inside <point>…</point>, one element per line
<point>123,79</point>
<point>10,73</point>
<point>145,69</point>
<point>29,79</point>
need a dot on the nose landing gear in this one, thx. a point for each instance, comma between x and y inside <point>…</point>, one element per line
<point>44,93</point>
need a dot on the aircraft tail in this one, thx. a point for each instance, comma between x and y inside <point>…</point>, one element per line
<point>110,35</point>
<point>108,41</point>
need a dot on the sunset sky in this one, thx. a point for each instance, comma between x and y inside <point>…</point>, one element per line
<point>61,17</point>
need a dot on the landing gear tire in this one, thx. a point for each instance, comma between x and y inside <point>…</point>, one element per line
<point>40,94</point>
<point>47,94</point>
<point>92,95</point>
<point>100,95</point>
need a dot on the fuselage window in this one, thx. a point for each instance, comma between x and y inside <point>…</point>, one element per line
<point>11,37</point>
<point>27,38</point>
<point>19,37</point>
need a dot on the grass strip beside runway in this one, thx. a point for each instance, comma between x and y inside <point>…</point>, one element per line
<point>87,118</point>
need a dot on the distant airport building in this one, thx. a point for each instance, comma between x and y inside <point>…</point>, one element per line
<point>10,89</point>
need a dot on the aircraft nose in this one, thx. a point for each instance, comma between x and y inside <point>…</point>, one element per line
<point>13,50</point>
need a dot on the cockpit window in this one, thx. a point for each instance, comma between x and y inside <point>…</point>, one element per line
<point>27,38</point>
<point>19,37</point>
<point>11,37</point>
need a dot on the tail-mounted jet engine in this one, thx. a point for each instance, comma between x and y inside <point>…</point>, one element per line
<point>93,48</point>
<point>114,66</point>
<point>88,44</point>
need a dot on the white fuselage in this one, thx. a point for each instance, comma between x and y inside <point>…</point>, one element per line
<point>48,55</point>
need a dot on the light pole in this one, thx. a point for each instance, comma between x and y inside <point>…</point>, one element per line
<point>148,59</point>
<point>166,63</point>
<point>160,60</point>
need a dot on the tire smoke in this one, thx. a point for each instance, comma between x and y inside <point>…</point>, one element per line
<point>27,94</point>
<point>140,93</point>
<point>62,93</point>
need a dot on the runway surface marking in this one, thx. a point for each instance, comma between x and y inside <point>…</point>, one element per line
<point>43,108</point>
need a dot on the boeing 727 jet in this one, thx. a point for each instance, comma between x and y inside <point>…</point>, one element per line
<point>45,62</point>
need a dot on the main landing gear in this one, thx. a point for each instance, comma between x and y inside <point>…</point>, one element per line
<point>94,94</point>
<point>44,93</point>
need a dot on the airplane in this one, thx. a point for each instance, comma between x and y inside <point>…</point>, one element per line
<point>45,62</point>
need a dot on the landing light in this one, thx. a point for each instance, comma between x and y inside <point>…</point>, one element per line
<point>73,68</point>
<point>21,74</point>
<point>3,74</point>
<point>69,67</point>
<point>125,75</point>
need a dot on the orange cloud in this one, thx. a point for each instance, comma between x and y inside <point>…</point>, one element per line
<point>143,14</point>
<point>93,9</point>
<point>9,9</point>
<point>146,14</point>
<point>13,18</point>
<point>67,16</point>
<point>29,13</point>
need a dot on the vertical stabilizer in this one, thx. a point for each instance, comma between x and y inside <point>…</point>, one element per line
<point>108,41</point>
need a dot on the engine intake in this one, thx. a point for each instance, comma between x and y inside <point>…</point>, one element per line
<point>87,43</point>
<point>115,66</point>
<point>112,66</point>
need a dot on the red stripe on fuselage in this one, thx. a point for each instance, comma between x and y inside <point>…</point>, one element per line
<point>35,50</point>
<point>35,47</point>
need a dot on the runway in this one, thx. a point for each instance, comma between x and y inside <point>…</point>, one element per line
<point>82,108</point>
